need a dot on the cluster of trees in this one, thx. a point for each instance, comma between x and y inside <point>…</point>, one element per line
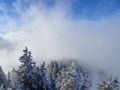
<point>57,75</point>
<point>109,84</point>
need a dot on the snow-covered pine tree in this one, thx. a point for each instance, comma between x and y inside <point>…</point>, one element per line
<point>1,87</point>
<point>86,84</point>
<point>42,79</point>
<point>55,68</point>
<point>67,73</point>
<point>13,83</point>
<point>52,74</point>
<point>25,73</point>
<point>74,77</point>
<point>52,81</point>
<point>71,79</point>
<point>54,78</point>
<point>109,84</point>
<point>3,80</point>
<point>9,80</point>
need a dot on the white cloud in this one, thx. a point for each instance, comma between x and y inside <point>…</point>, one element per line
<point>51,34</point>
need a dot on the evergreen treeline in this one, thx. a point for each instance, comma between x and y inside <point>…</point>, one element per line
<point>57,75</point>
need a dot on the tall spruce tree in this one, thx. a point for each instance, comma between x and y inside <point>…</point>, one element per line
<point>3,80</point>
<point>44,83</point>
<point>13,82</point>
<point>25,73</point>
<point>9,80</point>
<point>71,79</point>
<point>52,81</point>
<point>31,77</point>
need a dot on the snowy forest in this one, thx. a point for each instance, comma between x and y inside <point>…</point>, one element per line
<point>56,75</point>
<point>59,44</point>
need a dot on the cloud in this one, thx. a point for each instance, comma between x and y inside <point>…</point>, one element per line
<point>52,33</point>
<point>6,44</point>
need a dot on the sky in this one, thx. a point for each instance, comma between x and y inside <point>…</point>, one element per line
<point>87,30</point>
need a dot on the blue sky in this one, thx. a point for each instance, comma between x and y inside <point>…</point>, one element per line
<point>88,9</point>
<point>74,9</point>
<point>96,8</point>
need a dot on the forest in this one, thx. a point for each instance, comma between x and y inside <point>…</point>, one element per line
<point>56,75</point>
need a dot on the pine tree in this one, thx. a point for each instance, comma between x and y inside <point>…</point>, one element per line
<point>43,82</point>
<point>1,87</point>
<point>3,80</point>
<point>14,83</point>
<point>52,81</point>
<point>86,84</point>
<point>71,79</point>
<point>31,77</point>
<point>109,84</point>
<point>69,75</point>
<point>9,80</point>
<point>25,73</point>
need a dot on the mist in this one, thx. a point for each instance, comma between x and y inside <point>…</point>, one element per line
<point>52,33</point>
